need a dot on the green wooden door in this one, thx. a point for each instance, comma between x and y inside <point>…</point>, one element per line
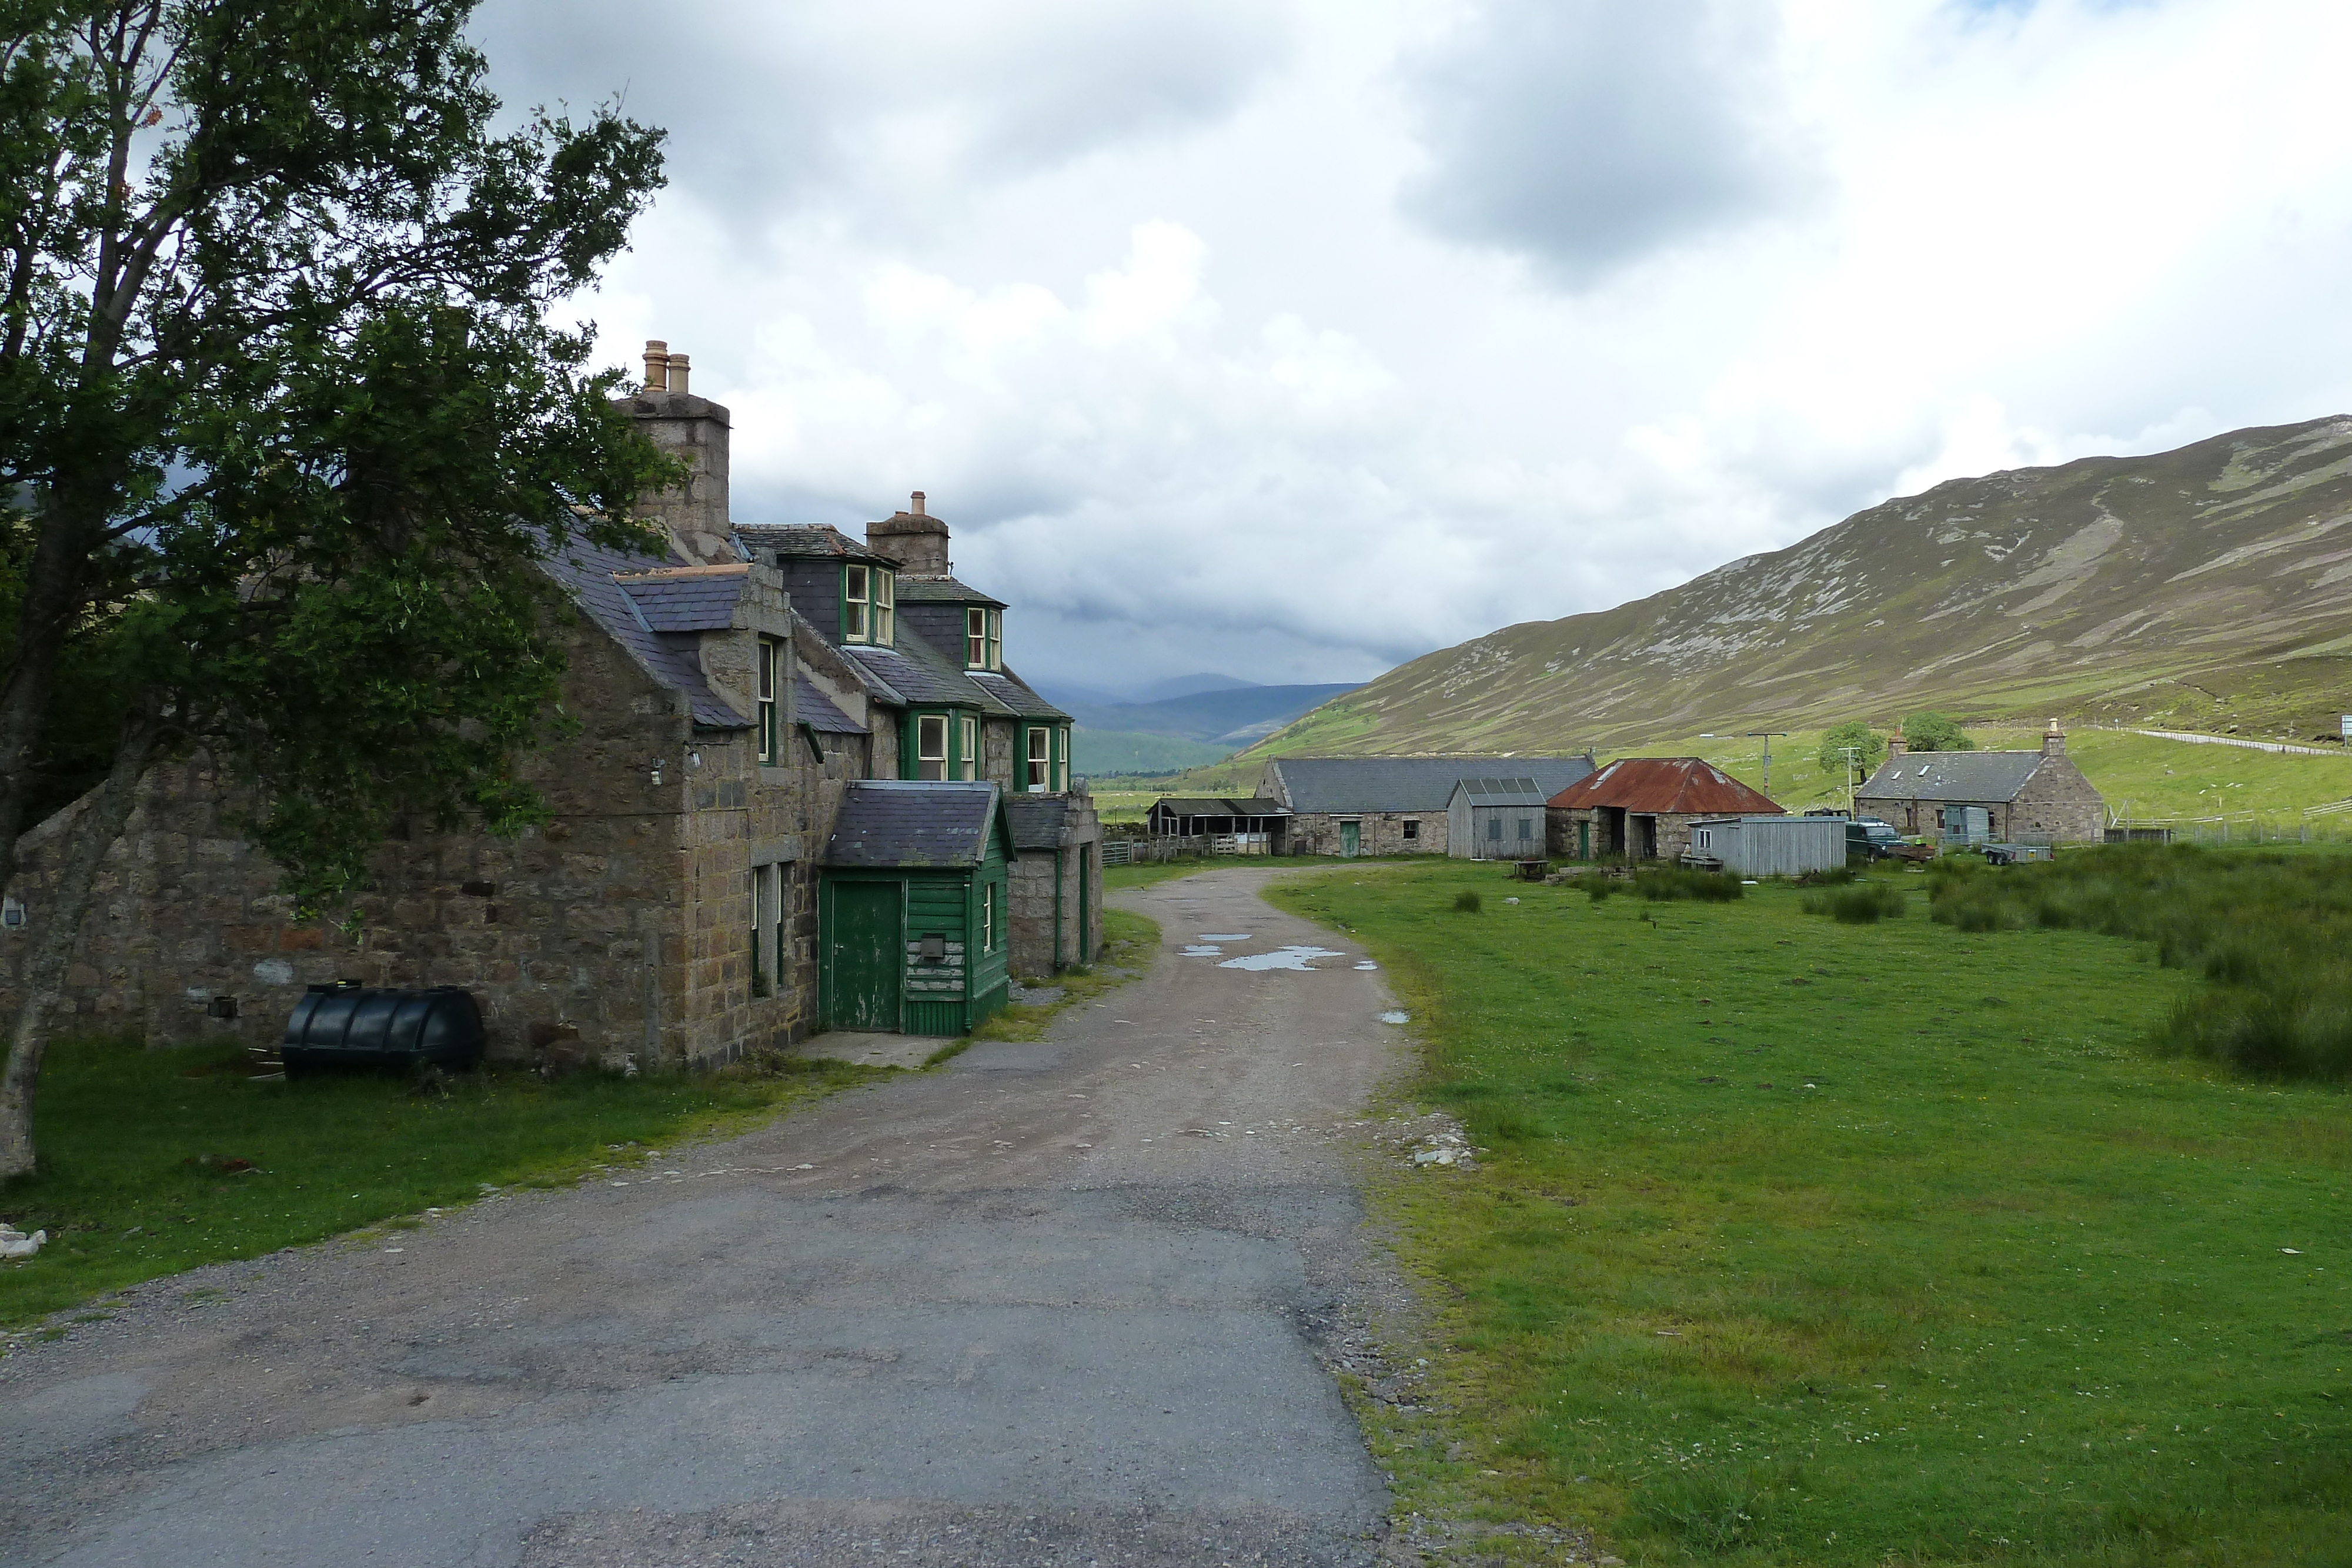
<point>1351,836</point>
<point>869,955</point>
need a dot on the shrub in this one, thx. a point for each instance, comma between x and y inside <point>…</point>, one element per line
<point>1598,888</point>
<point>1668,882</point>
<point>1467,902</point>
<point>1862,903</point>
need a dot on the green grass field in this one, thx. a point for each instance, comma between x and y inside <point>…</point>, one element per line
<point>1803,1242</point>
<point>158,1161</point>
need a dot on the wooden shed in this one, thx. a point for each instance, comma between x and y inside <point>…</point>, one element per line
<point>915,911</point>
<point>1767,846</point>
<point>1496,819</point>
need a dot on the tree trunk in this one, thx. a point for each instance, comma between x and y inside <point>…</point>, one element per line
<point>56,934</point>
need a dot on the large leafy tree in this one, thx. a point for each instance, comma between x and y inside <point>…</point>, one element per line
<point>284,427</point>
<point>1935,732</point>
<point>1855,744</point>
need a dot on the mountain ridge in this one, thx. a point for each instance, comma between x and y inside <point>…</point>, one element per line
<point>2202,586</point>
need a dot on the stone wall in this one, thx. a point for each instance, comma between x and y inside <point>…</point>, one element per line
<point>1030,896</point>
<point>1379,834</point>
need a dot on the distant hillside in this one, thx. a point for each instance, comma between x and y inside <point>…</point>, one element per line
<point>1095,753</point>
<point>2207,588</point>
<point>1232,717</point>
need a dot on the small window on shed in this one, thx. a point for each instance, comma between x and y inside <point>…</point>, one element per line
<point>1495,829</point>
<point>1412,829</point>
<point>1526,831</point>
<point>988,918</point>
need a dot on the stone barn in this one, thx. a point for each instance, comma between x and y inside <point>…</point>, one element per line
<point>1390,805</point>
<point>1642,808</point>
<point>2004,797</point>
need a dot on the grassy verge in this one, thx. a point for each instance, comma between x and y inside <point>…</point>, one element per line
<point>1126,876</point>
<point>1130,944</point>
<point>1802,1242</point>
<point>158,1161</point>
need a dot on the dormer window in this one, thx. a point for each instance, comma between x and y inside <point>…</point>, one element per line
<point>984,639</point>
<point>869,596</point>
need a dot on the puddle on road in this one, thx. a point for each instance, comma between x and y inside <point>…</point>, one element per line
<point>1393,1016</point>
<point>1196,950</point>
<point>1281,958</point>
<point>1224,936</point>
<point>1368,963</point>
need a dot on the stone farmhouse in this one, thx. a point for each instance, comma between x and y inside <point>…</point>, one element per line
<point>1389,805</point>
<point>806,792</point>
<point>1642,808</point>
<point>2006,797</point>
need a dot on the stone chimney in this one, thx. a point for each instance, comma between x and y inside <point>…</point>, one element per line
<point>2053,740</point>
<point>917,540</point>
<point>693,430</point>
<point>1895,744</point>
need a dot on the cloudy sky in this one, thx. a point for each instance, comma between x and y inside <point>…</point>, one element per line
<point>1291,338</point>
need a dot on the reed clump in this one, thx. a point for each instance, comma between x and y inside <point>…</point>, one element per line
<point>1859,903</point>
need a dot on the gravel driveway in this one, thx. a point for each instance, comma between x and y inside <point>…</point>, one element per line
<point>1058,1304</point>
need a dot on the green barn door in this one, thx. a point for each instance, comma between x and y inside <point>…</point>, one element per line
<point>869,955</point>
<point>1351,836</point>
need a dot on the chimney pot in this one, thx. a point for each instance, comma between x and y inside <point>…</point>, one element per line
<point>677,370</point>
<point>917,507</point>
<point>657,365</point>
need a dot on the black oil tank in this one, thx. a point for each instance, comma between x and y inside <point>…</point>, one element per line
<point>348,1027</point>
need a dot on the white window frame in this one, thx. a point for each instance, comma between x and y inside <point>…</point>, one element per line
<point>988,917</point>
<point>771,671</point>
<point>975,638</point>
<point>924,758</point>
<point>969,766</point>
<point>886,608</point>
<point>1038,776</point>
<point>996,639</point>
<point>856,606</point>
<point>1062,758</point>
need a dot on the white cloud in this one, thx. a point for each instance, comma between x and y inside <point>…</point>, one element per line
<point>1294,340</point>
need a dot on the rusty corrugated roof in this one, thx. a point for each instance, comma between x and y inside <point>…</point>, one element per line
<point>1665,784</point>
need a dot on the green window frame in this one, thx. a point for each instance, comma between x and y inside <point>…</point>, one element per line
<point>869,605</point>
<point>771,707</point>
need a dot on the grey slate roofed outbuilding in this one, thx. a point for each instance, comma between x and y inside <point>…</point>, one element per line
<point>887,824</point>
<point>820,540</point>
<point>942,590</point>
<point>1960,776</point>
<point>1503,791</point>
<point>1218,806</point>
<point>1346,784</point>
<point>817,711</point>
<point>587,572</point>
<point>1036,821</point>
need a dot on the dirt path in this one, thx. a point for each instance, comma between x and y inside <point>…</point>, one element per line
<point>1056,1304</point>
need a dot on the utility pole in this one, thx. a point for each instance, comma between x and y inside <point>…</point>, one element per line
<point>1767,736</point>
<point>1852,755</point>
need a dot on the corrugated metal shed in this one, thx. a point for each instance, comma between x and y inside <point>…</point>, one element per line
<point>1348,784</point>
<point>1987,777</point>
<point>1779,845</point>
<point>1667,786</point>
<point>1496,819</point>
<point>890,824</point>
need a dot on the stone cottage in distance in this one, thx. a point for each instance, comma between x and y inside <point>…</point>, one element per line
<point>733,692</point>
<point>2005,796</point>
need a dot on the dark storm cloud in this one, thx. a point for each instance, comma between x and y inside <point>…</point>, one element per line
<point>768,107</point>
<point>1586,134</point>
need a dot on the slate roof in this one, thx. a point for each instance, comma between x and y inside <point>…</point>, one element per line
<point>889,824</point>
<point>1014,692</point>
<point>587,572</point>
<point>687,598</point>
<point>918,673</point>
<point>1501,792</point>
<point>818,712</point>
<point>942,590</point>
<point>1977,776</point>
<point>1668,786</point>
<point>1407,783</point>
<point>1036,821</point>
<point>1219,806</point>
<point>820,540</point>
